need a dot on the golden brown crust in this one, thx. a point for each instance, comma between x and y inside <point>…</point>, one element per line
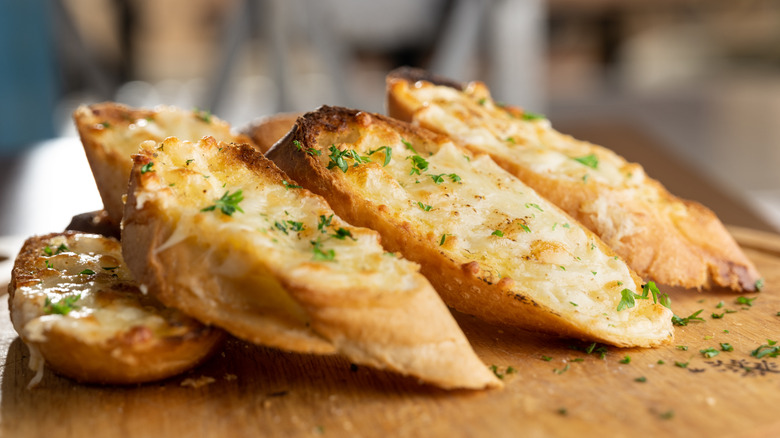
<point>262,283</point>
<point>266,131</point>
<point>154,343</point>
<point>111,132</point>
<point>465,284</point>
<point>673,241</point>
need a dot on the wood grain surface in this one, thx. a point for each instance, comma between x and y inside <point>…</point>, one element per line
<point>554,388</point>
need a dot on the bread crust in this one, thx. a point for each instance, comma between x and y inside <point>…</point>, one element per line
<point>670,240</point>
<point>466,283</point>
<point>111,132</point>
<point>114,334</point>
<point>267,130</point>
<point>265,284</point>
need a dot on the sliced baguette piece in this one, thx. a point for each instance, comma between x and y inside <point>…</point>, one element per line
<point>490,245</point>
<point>665,238</point>
<point>220,232</point>
<point>111,133</point>
<point>267,130</point>
<point>74,304</point>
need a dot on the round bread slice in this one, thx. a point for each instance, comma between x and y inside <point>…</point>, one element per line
<point>218,231</point>
<point>74,304</point>
<point>111,133</point>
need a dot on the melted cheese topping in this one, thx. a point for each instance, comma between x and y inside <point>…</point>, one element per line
<point>475,211</point>
<point>88,273</point>
<point>281,230</point>
<point>475,120</point>
<point>162,123</point>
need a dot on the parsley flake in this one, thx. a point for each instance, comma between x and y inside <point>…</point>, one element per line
<point>387,151</point>
<point>61,307</point>
<point>709,352</point>
<point>288,186</point>
<point>676,320</point>
<point>591,160</point>
<point>228,203</point>
<point>147,167</point>
<point>320,254</point>
<point>498,233</point>
<point>324,222</point>
<point>424,207</point>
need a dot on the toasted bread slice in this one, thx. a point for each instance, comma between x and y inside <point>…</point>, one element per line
<point>266,131</point>
<point>489,244</point>
<point>111,133</point>
<point>673,241</point>
<point>74,304</point>
<point>220,232</point>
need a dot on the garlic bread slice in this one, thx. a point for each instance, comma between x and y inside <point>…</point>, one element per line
<point>74,304</point>
<point>218,231</point>
<point>490,245</point>
<point>111,133</point>
<point>665,238</point>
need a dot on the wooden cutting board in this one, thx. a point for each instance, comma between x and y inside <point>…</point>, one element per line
<point>556,388</point>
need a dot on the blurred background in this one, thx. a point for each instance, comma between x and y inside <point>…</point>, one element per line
<point>692,86</point>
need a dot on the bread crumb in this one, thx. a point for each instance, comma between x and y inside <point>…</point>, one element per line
<point>197,383</point>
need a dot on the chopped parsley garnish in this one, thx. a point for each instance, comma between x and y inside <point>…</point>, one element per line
<point>295,226</point>
<point>641,379</point>
<point>49,265</point>
<point>717,315</point>
<point>202,115</point>
<point>770,349</point>
<point>87,272</point>
<point>110,268</point>
<point>746,301</point>
<point>626,360</point>
<point>628,299</point>
<point>443,239</point>
<point>408,145</point>
<point>105,124</point>
<point>591,160</point>
<point>49,251</point>
<point>482,100</point>
<point>573,303</point>
<point>660,362</point>
<point>528,115</point>
<point>228,203</point>
<point>310,151</point>
<point>525,228</point>
<point>725,346</point>
<point>438,179</point>
<point>419,164</point>
<point>500,375</point>
<point>320,254</point>
<point>147,167</point>
<point>388,153</point>
<point>532,205</point>
<point>676,320</point>
<point>454,177</point>
<point>546,358</point>
<point>759,284</point>
<point>324,222</point>
<point>681,364</point>
<point>682,347</point>
<point>562,370</point>
<point>709,352</point>
<point>61,307</point>
<point>338,158</point>
<point>343,233</point>
<point>187,163</point>
<point>498,233</point>
<point>288,186</point>
<point>424,207</point>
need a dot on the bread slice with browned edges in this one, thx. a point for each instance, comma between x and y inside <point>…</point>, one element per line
<point>490,245</point>
<point>76,307</point>
<point>218,231</point>
<point>267,130</point>
<point>111,132</point>
<point>665,238</point>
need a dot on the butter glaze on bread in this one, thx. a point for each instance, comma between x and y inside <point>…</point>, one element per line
<point>281,269</point>
<point>74,304</point>
<point>111,133</point>
<point>665,238</point>
<point>489,244</point>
